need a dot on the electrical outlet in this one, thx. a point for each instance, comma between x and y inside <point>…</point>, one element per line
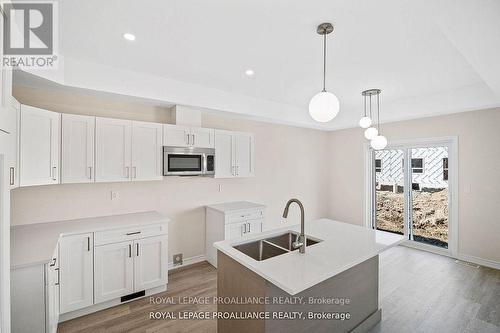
<point>115,195</point>
<point>177,259</point>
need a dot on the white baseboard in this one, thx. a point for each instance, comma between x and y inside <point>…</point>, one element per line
<point>479,261</point>
<point>187,262</point>
<point>463,257</point>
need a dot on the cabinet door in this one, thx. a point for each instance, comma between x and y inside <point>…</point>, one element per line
<point>39,146</point>
<point>146,151</point>
<point>113,271</point>
<point>13,145</point>
<point>150,262</point>
<point>76,272</point>
<point>113,150</point>
<point>6,120</point>
<point>254,226</point>
<point>235,230</point>
<point>176,136</point>
<point>223,155</point>
<point>243,155</point>
<point>203,137</point>
<point>77,160</point>
<point>52,299</point>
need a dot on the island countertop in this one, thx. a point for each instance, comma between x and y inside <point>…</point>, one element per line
<point>32,244</point>
<point>343,246</point>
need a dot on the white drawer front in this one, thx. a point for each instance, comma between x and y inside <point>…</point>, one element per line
<point>127,234</point>
<point>242,216</point>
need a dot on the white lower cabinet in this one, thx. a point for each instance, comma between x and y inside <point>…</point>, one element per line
<point>129,267</point>
<point>150,263</point>
<point>76,271</point>
<point>229,221</point>
<point>114,268</point>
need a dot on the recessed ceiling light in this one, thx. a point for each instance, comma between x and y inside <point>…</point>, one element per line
<point>129,36</point>
<point>249,72</point>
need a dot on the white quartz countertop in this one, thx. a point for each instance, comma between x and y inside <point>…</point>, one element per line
<point>32,244</point>
<point>235,206</point>
<point>343,246</point>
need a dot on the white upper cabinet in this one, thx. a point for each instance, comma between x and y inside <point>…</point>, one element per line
<point>243,155</point>
<point>234,154</point>
<point>202,137</point>
<point>113,150</point>
<point>146,151</point>
<point>13,146</point>
<point>76,271</point>
<point>150,263</point>
<point>7,118</point>
<point>39,146</point>
<point>223,154</point>
<point>182,136</point>
<point>176,136</point>
<point>77,153</point>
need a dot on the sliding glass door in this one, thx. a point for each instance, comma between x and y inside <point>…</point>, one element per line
<point>410,192</point>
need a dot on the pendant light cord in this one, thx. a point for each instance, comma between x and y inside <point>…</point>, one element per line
<point>371,106</point>
<point>365,105</point>
<point>378,111</point>
<point>324,61</point>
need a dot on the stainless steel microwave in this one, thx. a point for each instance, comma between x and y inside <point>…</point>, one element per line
<point>180,161</point>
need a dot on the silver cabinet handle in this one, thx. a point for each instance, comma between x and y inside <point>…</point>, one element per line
<point>193,139</point>
<point>133,233</point>
<point>137,249</point>
<point>12,175</point>
<point>187,137</point>
<point>249,227</point>
<point>127,172</point>
<point>244,228</point>
<point>53,262</point>
<point>90,172</point>
<point>54,171</point>
<point>58,277</point>
<point>88,244</point>
<point>134,169</point>
<point>130,250</point>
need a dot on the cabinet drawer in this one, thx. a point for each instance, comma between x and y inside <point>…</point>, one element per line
<point>127,234</point>
<point>242,216</point>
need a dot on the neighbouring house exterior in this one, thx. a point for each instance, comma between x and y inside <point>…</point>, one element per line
<point>429,168</point>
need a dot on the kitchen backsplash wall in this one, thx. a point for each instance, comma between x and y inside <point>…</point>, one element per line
<point>290,162</point>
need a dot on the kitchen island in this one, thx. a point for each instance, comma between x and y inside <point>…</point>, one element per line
<point>332,287</point>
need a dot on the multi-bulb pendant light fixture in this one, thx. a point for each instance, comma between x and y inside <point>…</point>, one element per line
<point>372,133</point>
<point>324,106</point>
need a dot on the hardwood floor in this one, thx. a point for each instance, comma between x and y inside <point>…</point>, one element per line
<point>419,292</point>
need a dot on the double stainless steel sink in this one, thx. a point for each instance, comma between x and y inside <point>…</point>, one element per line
<point>263,249</point>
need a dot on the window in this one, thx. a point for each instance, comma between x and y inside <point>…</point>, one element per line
<point>417,165</point>
<point>445,168</point>
<point>378,165</point>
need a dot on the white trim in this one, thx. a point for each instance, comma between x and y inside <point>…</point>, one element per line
<point>449,141</point>
<point>187,262</point>
<point>105,305</point>
<point>479,261</point>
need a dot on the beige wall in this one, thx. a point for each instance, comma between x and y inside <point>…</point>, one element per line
<point>290,162</point>
<point>325,170</point>
<point>479,172</point>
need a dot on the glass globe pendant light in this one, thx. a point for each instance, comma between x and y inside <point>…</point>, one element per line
<point>324,106</point>
<point>379,141</point>
<point>370,131</point>
<point>365,121</point>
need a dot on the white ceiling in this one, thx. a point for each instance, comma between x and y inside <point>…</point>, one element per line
<point>428,57</point>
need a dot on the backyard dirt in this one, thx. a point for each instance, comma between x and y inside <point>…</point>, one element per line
<point>430,213</point>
